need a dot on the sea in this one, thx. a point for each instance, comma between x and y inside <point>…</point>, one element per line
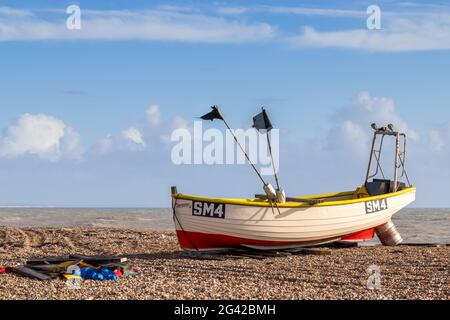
<point>415,225</point>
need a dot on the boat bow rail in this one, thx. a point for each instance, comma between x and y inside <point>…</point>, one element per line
<point>327,199</point>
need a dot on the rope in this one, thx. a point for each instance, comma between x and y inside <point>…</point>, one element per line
<point>273,163</point>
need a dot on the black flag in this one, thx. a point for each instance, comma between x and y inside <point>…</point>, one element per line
<point>261,122</point>
<point>214,114</point>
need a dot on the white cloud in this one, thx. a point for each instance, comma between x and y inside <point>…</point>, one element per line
<point>231,10</point>
<point>392,10</point>
<point>339,160</point>
<point>180,123</point>
<point>134,136</point>
<point>366,109</point>
<point>349,137</point>
<point>436,141</point>
<point>423,29</point>
<point>45,136</point>
<point>177,123</point>
<point>12,12</point>
<point>153,115</point>
<point>430,32</point>
<point>151,25</point>
<point>105,145</point>
<point>327,12</point>
<point>71,143</point>
<point>351,134</point>
<point>295,10</point>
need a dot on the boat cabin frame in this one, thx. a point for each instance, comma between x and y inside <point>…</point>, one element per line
<point>399,163</point>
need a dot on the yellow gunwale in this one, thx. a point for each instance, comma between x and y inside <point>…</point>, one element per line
<point>265,203</point>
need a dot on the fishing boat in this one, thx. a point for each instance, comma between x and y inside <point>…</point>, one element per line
<point>273,221</point>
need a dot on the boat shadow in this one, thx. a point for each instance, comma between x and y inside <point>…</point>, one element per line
<point>169,255</point>
<point>232,254</point>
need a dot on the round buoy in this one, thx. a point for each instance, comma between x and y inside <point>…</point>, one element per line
<point>388,234</point>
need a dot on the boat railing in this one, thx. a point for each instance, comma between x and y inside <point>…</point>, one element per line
<point>400,156</point>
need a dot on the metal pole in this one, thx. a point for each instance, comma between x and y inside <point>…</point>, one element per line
<point>371,155</point>
<point>397,146</point>
<point>273,163</point>
<point>378,159</point>
<point>403,161</point>
<point>246,155</point>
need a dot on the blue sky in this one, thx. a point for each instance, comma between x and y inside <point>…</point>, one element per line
<point>323,75</point>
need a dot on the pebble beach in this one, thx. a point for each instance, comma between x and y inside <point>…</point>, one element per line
<point>166,272</point>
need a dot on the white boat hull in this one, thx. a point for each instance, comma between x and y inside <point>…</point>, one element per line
<point>211,224</point>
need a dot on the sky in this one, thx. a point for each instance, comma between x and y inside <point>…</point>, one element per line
<point>85,114</point>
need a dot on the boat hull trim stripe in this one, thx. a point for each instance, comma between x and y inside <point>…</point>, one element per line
<point>209,241</point>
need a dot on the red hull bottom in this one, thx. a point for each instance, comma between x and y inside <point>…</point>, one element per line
<point>207,241</point>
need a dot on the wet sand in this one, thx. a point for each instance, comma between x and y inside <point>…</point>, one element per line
<point>166,272</point>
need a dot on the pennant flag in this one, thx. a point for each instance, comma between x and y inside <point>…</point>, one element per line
<point>261,122</point>
<point>214,114</point>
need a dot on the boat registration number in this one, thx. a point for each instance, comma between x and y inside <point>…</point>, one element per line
<point>376,205</point>
<point>208,209</point>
